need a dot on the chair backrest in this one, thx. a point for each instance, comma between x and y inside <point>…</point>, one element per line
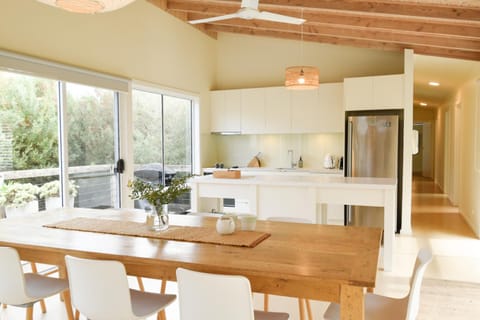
<point>423,259</point>
<point>12,279</point>
<point>289,219</point>
<point>205,296</point>
<point>99,288</point>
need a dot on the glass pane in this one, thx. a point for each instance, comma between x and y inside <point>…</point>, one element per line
<point>91,145</point>
<point>28,143</point>
<point>162,134</point>
<point>177,113</point>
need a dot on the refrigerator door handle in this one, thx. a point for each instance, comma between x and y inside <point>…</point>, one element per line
<point>347,219</point>
<point>348,164</point>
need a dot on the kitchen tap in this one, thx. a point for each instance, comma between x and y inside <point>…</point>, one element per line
<point>292,162</point>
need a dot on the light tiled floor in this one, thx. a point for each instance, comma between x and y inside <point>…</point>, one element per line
<point>435,224</point>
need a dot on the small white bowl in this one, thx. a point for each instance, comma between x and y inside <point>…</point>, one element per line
<point>247,222</point>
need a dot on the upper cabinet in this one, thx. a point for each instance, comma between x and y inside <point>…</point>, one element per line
<point>330,107</point>
<point>226,111</point>
<point>277,110</point>
<point>379,92</point>
<point>253,111</point>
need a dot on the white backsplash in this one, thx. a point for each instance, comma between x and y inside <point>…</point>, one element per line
<point>239,149</point>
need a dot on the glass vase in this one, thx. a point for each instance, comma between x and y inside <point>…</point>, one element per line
<point>157,217</point>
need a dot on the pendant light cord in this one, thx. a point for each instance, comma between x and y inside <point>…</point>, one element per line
<point>301,40</point>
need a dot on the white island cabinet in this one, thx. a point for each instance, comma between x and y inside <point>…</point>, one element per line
<point>304,197</point>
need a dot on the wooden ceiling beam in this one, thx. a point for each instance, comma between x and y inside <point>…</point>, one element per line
<point>457,10</point>
<point>448,28</point>
<point>449,9</point>
<point>353,42</point>
<point>459,42</point>
<point>422,27</point>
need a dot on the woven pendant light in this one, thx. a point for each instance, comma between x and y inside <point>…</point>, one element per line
<point>301,77</point>
<point>87,6</point>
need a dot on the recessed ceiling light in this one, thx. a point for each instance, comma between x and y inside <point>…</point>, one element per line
<point>423,104</point>
<point>434,83</point>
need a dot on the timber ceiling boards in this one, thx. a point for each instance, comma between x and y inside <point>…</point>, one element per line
<point>443,28</point>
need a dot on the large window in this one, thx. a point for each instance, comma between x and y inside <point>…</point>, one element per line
<point>31,152</point>
<point>162,133</point>
<point>65,130</point>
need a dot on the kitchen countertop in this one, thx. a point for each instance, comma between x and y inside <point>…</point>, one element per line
<point>303,180</point>
<point>270,170</point>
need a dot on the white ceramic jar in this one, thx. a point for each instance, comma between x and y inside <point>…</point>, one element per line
<point>225,224</point>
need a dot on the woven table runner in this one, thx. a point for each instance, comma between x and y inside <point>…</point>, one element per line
<point>179,233</point>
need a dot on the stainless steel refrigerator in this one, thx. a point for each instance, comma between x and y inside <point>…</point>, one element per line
<point>374,148</point>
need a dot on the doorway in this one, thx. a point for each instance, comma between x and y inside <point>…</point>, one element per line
<point>423,160</point>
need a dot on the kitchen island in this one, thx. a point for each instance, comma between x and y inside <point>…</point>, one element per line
<point>304,197</point>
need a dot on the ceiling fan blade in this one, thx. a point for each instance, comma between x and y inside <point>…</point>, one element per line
<point>213,19</point>
<point>269,16</point>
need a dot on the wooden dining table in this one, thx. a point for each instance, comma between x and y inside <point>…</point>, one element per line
<point>318,262</point>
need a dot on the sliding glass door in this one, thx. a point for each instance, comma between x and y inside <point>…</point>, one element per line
<point>162,133</point>
<point>92,145</point>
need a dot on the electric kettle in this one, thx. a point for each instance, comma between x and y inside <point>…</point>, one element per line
<point>328,162</point>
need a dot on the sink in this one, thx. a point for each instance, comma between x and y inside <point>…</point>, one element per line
<point>286,169</point>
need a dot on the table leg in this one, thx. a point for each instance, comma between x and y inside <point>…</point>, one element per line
<point>68,304</point>
<point>352,303</point>
<point>62,273</point>
<point>390,216</point>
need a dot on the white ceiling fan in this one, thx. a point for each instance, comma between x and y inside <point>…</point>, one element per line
<point>249,10</point>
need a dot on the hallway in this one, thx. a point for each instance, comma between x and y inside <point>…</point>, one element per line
<point>433,215</point>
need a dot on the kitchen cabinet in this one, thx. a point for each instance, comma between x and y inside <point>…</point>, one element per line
<point>331,113</point>
<point>225,111</point>
<point>252,111</point>
<point>277,110</point>
<point>305,111</point>
<point>320,110</point>
<point>378,92</point>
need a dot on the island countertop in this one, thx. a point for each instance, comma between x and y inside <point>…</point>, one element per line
<point>303,196</point>
<point>303,180</point>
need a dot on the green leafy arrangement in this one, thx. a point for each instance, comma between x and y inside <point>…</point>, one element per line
<point>156,193</point>
<point>52,189</point>
<point>17,194</point>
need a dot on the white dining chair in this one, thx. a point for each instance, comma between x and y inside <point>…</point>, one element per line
<point>206,296</point>
<point>379,307</point>
<point>24,289</point>
<point>99,290</point>
<point>301,301</point>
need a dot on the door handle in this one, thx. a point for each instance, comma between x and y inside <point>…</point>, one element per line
<point>120,166</point>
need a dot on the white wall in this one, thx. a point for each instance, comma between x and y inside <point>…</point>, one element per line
<point>138,42</point>
<point>462,174</point>
<point>247,62</point>
<point>469,169</point>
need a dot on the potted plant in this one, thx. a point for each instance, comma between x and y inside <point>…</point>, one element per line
<point>158,196</point>
<point>19,198</point>
<point>51,192</point>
